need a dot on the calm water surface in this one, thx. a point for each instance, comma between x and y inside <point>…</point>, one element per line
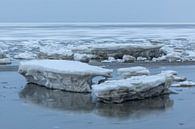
<point>33,107</point>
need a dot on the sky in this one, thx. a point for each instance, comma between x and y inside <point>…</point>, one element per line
<point>151,11</point>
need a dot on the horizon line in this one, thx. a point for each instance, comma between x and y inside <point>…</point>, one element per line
<point>98,23</point>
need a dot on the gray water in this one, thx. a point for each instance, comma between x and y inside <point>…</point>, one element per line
<point>31,107</point>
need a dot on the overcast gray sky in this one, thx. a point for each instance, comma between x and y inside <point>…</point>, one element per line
<point>97,10</point>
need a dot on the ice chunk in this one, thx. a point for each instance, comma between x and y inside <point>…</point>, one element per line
<point>170,57</point>
<point>133,71</point>
<point>5,61</point>
<point>128,59</point>
<point>170,72</point>
<point>60,74</point>
<point>117,50</point>
<point>166,49</point>
<point>179,78</point>
<point>110,59</point>
<point>83,57</point>
<point>191,55</point>
<point>141,58</point>
<point>184,84</point>
<point>49,52</point>
<point>174,75</point>
<point>26,56</point>
<point>140,87</point>
<point>174,56</point>
<point>2,54</point>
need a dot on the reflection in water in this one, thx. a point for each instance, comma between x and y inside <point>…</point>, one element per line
<point>135,109</point>
<point>57,99</point>
<point>78,102</point>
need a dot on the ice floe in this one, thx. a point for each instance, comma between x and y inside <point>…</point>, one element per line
<point>110,59</point>
<point>128,59</point>
<point>169,72</point>
<point>2,54</point>
<point>26,56</point>
<point>50,52</point>
<point>176,44</point>
<point>174,75</point>
<point>121,52</point>
<point>141,58</point>
<point>5,61</point>
<point>103,51</point>
<point>132,71</point>
<point>59,74</point>
<point>140,87</point>
<point>184,84</point>
<point>83,57</point>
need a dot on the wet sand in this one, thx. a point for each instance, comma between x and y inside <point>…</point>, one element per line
<point>32,107</point>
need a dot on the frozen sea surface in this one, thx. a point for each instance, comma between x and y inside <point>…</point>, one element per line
<point>31,107</point>
<point>31,37</point>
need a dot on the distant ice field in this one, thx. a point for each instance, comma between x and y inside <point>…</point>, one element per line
<point>96,31</point>
<point>16,38</point>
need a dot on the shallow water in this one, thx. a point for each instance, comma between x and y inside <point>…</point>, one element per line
<point>33,107</point>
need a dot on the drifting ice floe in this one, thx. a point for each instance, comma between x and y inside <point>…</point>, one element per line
<point>191,55</point>
<point>5,61</point>
<point>174,75</point>
<point>121,52</point>
<point>103,51</point>
<point>169,72</point>
<point>175,55</point>
<point>177,44</point>
<point>54,52</point>
<point>4,58</point>
<point>179,81</point>
<point>25,56</point>
<point>140,87</point>
<point>128,59</point>
<point>64,75</point>
<point>83,57</point>
<point>2,55</point>
<point>132,71</point>
<point>184,84</point>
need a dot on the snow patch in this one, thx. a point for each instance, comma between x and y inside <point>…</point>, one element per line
<point>62,66</point>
